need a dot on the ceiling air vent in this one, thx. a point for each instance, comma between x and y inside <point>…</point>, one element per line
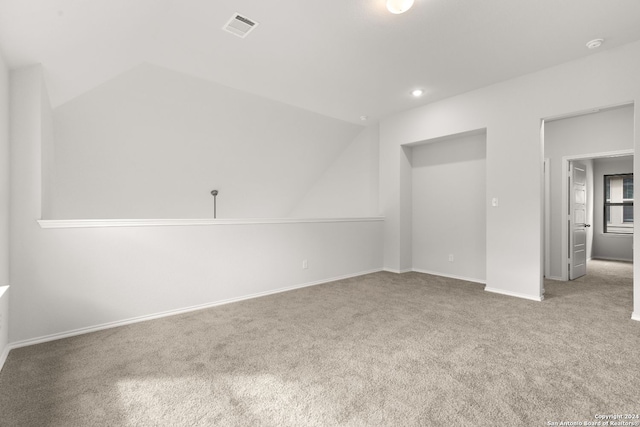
<point>240,25</point>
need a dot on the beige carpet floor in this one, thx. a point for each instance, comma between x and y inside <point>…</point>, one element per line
<point>382,349</point>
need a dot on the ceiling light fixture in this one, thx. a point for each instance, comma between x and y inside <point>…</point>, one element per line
<point>364,118</point>
<point>595,43</point>
<point>417,92</point>
<point>399,6</point>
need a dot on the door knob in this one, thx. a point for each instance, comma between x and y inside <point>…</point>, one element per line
<point>587,225</point>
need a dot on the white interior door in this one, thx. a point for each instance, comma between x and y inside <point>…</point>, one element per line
<point>577,220</point>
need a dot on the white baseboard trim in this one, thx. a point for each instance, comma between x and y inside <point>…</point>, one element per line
<point>451,276</point>
<point>555,278</point>
<point>392,270</point>
<point>4,350</point>
<point>168,313</point>
<point>514,294</point>
<point>635,316</point>
<point>606,258</point>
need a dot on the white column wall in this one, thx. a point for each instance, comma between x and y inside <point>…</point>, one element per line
<point>636,210</point>
<point>4,207</point>
<point>4,173</point>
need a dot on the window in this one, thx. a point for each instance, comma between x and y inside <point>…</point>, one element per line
<point>627,214</point>
<point>627,188</point>
<point>618,204</point>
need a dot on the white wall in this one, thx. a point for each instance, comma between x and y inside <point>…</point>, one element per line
<point>68,279</point>
<point>349,186</point>
<point>4,205</point>
<point>4,173</point>
<point>449,215</point>
<point>609,246</point>
<point>80,278</point>
<point>605,131</point>
<point>153,143</point>
<point>511,112</point>
<point>47,155</point>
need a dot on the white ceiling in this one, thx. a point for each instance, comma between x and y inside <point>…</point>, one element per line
<point>340,58</point>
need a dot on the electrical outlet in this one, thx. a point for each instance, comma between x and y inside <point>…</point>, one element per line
<point>450,257</point>
<point>305,265</point>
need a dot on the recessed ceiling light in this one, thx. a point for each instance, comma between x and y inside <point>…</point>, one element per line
<point>595,43</point>
<point>364,118</point>
<point>417,92</point>
<point>399,6</point>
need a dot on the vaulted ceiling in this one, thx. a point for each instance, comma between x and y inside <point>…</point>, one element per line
<point>339,58</point>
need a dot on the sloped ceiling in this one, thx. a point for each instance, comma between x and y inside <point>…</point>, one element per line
<point>343,59</point>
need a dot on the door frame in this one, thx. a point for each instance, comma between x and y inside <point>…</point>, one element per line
<point>565,197</point>
<point>547,220</point>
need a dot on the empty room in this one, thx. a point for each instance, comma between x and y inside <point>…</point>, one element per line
<point>357,213</point>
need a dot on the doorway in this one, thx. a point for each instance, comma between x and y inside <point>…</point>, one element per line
<point>597,139</point>
<point>594,229</point>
